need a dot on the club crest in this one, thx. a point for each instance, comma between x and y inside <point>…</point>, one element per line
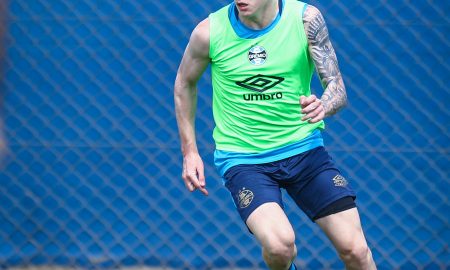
<point>245,197</point>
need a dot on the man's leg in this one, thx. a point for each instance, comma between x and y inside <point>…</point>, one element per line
<point>345,232</point>
<point>273,230</point>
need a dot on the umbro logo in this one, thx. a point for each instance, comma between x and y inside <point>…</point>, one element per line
<point>260,83</point>
<point>340,181</point>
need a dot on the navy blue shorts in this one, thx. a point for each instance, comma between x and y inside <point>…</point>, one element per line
<point>310,178</point>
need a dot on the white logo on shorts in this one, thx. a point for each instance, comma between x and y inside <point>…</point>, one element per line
<point>340,181</point>
<point>245,197</point>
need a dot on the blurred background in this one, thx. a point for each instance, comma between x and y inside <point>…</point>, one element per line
<point>91,171</point>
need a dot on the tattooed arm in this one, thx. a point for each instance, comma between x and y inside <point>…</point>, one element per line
<point>334,96</point>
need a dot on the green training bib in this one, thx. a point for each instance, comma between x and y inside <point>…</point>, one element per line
<point>257,83</point>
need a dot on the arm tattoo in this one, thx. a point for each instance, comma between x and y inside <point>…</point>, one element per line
<point>322,52</point>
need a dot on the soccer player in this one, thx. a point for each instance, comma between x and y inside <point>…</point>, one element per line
<point>268,125</point>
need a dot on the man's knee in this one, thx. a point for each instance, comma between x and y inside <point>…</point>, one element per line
<point>355,253</point>
<point>281,249</point>
<point>275,234</point>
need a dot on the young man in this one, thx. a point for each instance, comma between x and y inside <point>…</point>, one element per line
<point>268,125</point>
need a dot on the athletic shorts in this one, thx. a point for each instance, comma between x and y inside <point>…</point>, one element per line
<point>310,178</point>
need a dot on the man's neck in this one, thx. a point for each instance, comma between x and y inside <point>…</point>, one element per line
<point>263,18</point>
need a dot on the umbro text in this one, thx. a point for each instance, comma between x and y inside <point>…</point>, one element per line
<point>252,97</point>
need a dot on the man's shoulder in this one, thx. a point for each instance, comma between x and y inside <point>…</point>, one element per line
<point>310,13</point>
<point>200,34</point>
<point>202,26</point>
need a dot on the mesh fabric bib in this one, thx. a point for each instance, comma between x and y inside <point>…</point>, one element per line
<point>257,83</point>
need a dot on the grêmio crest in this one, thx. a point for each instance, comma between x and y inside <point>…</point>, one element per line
<point>257,55</point>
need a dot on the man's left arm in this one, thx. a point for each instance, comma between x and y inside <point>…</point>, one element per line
<point>334,96</point>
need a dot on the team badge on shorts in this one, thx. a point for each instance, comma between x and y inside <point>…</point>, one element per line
<point>340,181</point>
<point>257,55</point>
<point>245,197</point>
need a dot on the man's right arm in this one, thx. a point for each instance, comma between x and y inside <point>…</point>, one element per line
<point>193,64</point>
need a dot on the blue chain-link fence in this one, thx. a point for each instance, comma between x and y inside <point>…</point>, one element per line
<point>90,177</point>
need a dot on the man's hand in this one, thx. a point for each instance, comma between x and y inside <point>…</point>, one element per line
<point>193,173</point>
<point>312,109</point>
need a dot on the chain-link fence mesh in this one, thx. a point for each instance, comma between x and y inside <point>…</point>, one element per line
<point>91,178</point>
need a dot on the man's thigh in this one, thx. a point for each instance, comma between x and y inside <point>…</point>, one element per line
<point>270,225</point>
<point>343,229</point>
<point>257,198</point>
